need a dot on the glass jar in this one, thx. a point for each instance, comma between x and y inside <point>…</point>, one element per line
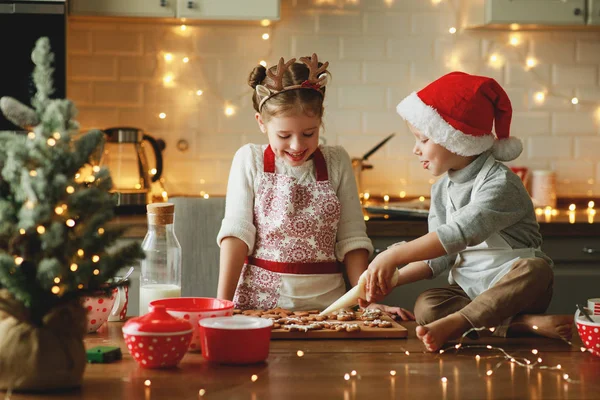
<point>160,276</point>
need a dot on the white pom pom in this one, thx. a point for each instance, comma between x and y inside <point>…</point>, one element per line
<point>507,149</point>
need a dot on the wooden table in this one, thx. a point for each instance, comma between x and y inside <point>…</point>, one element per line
<point>319,373</point>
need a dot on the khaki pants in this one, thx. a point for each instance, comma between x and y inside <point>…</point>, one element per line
<point>525,289</point>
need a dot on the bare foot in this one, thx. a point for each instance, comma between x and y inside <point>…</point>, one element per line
<point>552,326</point>
<point>437,333</point>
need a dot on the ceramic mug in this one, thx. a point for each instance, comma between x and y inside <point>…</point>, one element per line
<point>594,306</point>
<point>119,310</point>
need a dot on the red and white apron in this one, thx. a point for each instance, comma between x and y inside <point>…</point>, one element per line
<point>293,264</point>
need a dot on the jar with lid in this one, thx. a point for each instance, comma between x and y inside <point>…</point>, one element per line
<point>160,275</point>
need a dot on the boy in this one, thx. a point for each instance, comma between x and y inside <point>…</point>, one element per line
<point>482,223</point>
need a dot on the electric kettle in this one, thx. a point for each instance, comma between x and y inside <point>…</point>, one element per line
<point>125,156</point>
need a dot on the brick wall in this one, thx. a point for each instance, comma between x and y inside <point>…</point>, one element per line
<point>379,51</point>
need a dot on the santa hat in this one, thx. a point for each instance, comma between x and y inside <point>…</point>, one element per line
<point>458,111</point>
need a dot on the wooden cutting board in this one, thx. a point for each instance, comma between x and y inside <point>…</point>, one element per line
<point>366,332</point>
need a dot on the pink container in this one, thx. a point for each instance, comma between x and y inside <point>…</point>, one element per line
<point>157,340</point>
<point>236,340</point>
<point>589,332</point>
<point>98,309</point>
<point>194,309</point>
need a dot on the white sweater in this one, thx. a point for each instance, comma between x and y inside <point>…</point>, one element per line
<point>247,167</point>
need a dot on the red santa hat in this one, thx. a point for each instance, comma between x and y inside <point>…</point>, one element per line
<point>458,111</point>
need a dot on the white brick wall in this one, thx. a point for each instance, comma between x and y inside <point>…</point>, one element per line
<point>379,51</point>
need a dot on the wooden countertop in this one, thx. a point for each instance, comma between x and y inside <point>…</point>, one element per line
<point>319,374</point>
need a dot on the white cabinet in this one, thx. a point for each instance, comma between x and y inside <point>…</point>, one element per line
<point>191,9</point>
<point>124,8</point>
<point>526,12</point>
<point>228,9</point>
<point>593,17</point>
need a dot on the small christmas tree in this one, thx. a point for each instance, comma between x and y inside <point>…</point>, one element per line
<point>54,237</point>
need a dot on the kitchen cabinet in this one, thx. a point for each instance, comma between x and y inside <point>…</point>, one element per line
<point>593,12</point>
<point>526,12</point>
<point>576,272</point>
<point>191,9</point>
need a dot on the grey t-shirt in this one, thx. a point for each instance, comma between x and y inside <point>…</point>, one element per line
<point>501,205</point>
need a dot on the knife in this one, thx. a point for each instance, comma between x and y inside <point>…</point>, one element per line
<point>374,149</point>
<point>585,313</point>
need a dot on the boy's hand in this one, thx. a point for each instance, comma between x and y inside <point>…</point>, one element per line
<point>394,312</point>
<point>379,276</point>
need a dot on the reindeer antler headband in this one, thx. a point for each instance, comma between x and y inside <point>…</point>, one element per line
<point>317,78</point>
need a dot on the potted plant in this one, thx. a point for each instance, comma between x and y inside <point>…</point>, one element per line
<point>54,238</point>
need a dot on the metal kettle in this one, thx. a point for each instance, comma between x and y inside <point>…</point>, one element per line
<point>125,156</point>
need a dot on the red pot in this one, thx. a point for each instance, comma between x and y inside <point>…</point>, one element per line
<point>235,340</point>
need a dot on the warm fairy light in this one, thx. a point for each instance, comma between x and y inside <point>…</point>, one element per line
<point>70,223</point>
<point>138,186</point>
<point>452,30</point>
<point>493,58</point>
<point>74,267</point>
<point>55,289</point>
<point>347,377</point>
<point>444,379</point>
<point>96,272</point>
<point>183,27</point>
<point>95,258</point>
<point>367,195</point>
<point>18,260</point>
<point>539,211</point>
<point>436,2</point>
<point>33,173</point>
<point>489,372</point>
<point>572,207</point>
<point>59,210</point>
<point>402,194</point>
<point>574,100</point>
<point>101,231</point>
<point>527,361</point>
<point>31,135</point>
<point>51,142</point>
<point>492,329</point>
<point>147,383</point>
<point>56,135</point>
<point>91,178</point>
<point>263,63</point>
<point>199,92</point>
<point>300,353</point>
<point>539,360</point>
<point>96,168</point>
<point>80,286</point>
<point>40,229</point>
<point>168,57</point>
<point>57,280</point>
<point>421,198</point>
<point>22,231</point>
<point>186,60</point>
<point>407,353</point>
<point>534,351</point>
<point>353,373</point>
<point>489,347</point>
<point>254,378</point>
<point>512,360</point>
<point>164,194</point>
<point>70,189</point>
<point>442,351</point>
<point>162,115</point>
<point>265,22</point>
<point>153,171</point>
<point>366,218</point>
<point>393,373</point>
<point>531,62</point>
<point>566,377</point>
<point>514,40</point>
<point>206,195</point>
<point>477,357</point>
<point>168,79</point>
<point>514,27</point>
<point>540,97</point>
<point>535,327</point>
<point>591,204</point>
<point>29,204</point>
<point>386,198</point>
<point>229,111</point>
<point>80,252</point>
<point>583,349</point>
<point>558,366</point>
<point>201,392</point>
<point>265,36</point>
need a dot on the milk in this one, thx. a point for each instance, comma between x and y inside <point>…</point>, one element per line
<point>150,293</point>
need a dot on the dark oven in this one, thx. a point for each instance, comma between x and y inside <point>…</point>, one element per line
<point>21,24</point>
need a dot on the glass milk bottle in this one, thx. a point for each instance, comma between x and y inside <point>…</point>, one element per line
<point>161,269</point>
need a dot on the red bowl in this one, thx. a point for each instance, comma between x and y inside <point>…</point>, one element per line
<point>589,332</point>
<point>194,309</point>
<point>239,339</point>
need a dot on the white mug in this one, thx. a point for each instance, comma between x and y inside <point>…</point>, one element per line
<point>119,310</point>
<point>594,306</point>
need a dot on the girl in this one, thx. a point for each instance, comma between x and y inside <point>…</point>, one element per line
<point>292,209</point>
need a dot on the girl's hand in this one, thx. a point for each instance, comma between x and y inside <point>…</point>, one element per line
<point>379,277</point>
<point>394,312</point>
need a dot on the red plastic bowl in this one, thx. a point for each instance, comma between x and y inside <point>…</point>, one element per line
<point>589,332</point>
<point>194,309</point>
<point>239,339</point>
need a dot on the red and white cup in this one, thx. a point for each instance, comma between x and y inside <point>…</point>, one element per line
<point>119,309</point>
<point>594,306</point>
